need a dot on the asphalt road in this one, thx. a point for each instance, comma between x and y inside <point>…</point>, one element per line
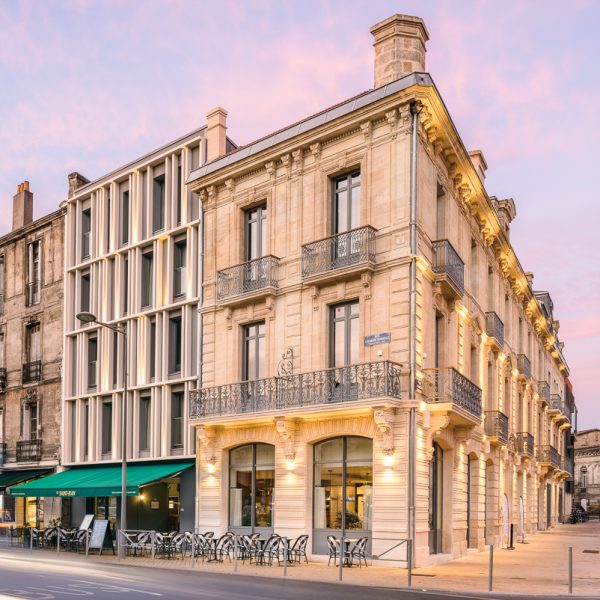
<point>23,576</point>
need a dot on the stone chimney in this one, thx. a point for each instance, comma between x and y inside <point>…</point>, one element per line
<point>479,163</point>
<point>507,211</point>
<point>399,44</point>
<point>216,133</point>
<point>76,180</point>
<point>22,206</point>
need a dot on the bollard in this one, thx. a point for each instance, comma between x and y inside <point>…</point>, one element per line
<point>511,537</point>
<point>409,550</point>
<point>491,575</point>
<point>285,553</point>
<point>570,569</point>
<point>341,559</point>
<point>87,541</point>
<point>153,538</point>
<point>31,539</point>
<point>58,539</point>
<point>235,553</point>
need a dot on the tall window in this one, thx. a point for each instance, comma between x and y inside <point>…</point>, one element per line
<point>107,228</point>
<point>147,278</point>
<point>254,351</point>
<point>86,227</point>
<point>179,194</point>
<point>30,420</point>
<point>346,202</point>
<point>125,285</point>
<point>179,270</point>
<point>343,484</point>
<point>145,423</point>
<point>125,218</point>
<point>92,361</point>
<point>85,292</point>
<point>175,344</point>
<point>251,485</point>
<point>2,284</point>
<point>158,204</point>
<point>344,334</point>
<point>32,343</point>
<point>33,273</point>
<point>2,353</point>
<point>115,358</point>
<point>86,427</point>
<point>177,399</point>
<point>474,269</point>
<point>436,500</point>
<point>256,232</point>
<point>107,427</point>
<point>152,357</point>
<point>440,213</point>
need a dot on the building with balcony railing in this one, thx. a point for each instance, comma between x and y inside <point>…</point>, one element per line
<point>31,329</point>
<point>586,475</point>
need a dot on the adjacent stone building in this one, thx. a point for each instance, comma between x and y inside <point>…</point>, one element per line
<point>374,359</point>
<point>31,325</point>
<point>587,470</point>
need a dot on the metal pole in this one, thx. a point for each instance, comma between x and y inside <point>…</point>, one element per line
<point>409,560</point>
<point>235,547</point>
<point>123,331</point>
<point>58,539</point>
<point>570,569</point>
<point>285,553</point>
<point>31,538</point>
<point>491,575</point>
<point>193,551</point>
<point>153,539</point>
<point>87,541</point>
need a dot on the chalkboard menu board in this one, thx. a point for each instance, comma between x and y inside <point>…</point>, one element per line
<point>101,536</point>
<point>87,521</point>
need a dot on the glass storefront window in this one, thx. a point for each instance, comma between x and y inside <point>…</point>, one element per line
<point>343,483</point>
<point>7,508</point>
<point>251,486</point>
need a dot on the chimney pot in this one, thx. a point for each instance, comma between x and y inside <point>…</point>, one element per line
<point>216,133</point>
<point>479,163</point>
<point>399,44</point>
<point>26,186</point>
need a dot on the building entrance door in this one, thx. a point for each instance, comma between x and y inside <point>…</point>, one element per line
<point>505,520</point>
<point>436,500</point>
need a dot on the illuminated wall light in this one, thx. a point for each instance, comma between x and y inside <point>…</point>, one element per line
<point>388,459</point>
<point>210,466</point>
<point>290,462</point>
<point>141,497</point>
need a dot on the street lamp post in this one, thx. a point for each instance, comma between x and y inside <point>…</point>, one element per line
<point>87,317</point>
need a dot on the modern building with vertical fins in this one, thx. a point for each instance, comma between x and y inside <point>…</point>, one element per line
<point>375,360</point>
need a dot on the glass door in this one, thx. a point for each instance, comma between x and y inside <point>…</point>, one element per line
<point>346,248</point>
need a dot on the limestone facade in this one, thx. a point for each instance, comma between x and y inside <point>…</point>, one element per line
<point>31,320</point>
<point>307,338</point>
<point>587,470</point>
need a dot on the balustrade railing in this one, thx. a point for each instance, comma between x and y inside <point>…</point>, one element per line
<point>446,261</point>
<point>549,454</point>
<point>32,293</point>
<point>525,443</point>
<point>448,385</point>
<point>32,371</point>
<point>494,327</point>
<point>330,386</point>
<point>543,389</point>
<point>496,425</point>
<point>29,450</point>
<point>251,276</point>
<point>345,249</point>
<point>524,366</point>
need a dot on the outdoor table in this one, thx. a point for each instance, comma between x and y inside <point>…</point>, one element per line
<point>167,546</point>
<point>345,550</point>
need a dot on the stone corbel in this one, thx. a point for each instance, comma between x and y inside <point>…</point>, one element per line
<point>315,150</point>
<point>367,130</point>
<point>392,120</point>
<point>206,439</point>
<point>297,161</point>
<point>287,433</point>
<point>436,424</point>
<point>230,185</point>
<point>384,421</point>
<point>228,316</point>
<point>286,162</point>
<point>271,169</point>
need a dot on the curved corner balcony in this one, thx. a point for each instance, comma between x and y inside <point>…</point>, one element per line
<point>346,253</point>
<point>339,387</point>
<point>252,279</point>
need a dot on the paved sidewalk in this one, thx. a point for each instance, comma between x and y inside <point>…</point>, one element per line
<point>537,567</point>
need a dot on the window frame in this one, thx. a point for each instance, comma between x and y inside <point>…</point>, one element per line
<point>335,201</point>
<point>253,339</point>
<point>347,320</point>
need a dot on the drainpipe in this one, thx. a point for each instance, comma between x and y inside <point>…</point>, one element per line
<point>415,108</point>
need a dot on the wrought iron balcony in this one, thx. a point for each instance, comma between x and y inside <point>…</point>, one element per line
<point>3,453</point>
<point>555,404</point>
<point>252,276</point>
<point>32,293</point>
<point>331,386</point>
<point>543,389</point>
<point>496,425</point>
<point>32,371</point>
<point>494,328</point>
<point>549,455</point>
<point>2,378</point>
<point>525,443</point>
<point>347,249</point>
<point>448,385</point>
<point>524,366</point>
<point>449,268</point>
<point>29,451</point>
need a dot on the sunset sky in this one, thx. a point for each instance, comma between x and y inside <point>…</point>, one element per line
<point>87,86</point>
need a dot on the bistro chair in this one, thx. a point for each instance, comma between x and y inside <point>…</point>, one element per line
<point>298,550</point>
<point>223,547</point>
<point>358,551</point>
<point>269,551</point>
<point>179,544</point>
<point>248,547</point>
<point>333,544</point>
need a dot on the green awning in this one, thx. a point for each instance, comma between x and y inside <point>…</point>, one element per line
<point>99,480</point>
<point>12,477</point>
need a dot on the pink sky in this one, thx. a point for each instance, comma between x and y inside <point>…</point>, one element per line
<point>88,86</point>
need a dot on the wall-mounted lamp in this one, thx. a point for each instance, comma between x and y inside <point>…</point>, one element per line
<point>290,462</point>
<point>211,466</point>
<point>388,458</point>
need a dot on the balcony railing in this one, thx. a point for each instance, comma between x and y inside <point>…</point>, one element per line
<point>543,389</point>
<point>29,450</point>
<point>525,443</point>
<point>549,454</point>
<point>32,293</point>
<point>2,453</point>
<point>448,263</point>
<point>2,378</point>
<point>524,366</point>
<point>448,385</point>
<point>32,371</point>
<point>251,276</point>
<point>331,386</point>
<point>347,249</point>
<point>555,403</point>
<point>496,425</point>
<point>494,328</point>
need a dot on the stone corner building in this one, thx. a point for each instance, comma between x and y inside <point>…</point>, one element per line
<point>31,327</point>
<point>374,359</point>
<point>587,470</point>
